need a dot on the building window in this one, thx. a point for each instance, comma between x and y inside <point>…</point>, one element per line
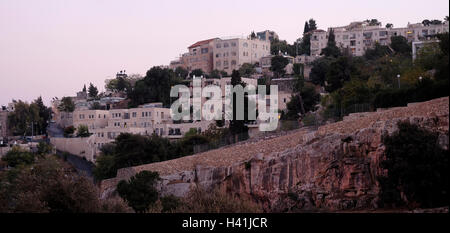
<point>225,45</point>
<point>218,55</point>
<point>134,114</point>
<point>218,63</point>
<point>233,53</point>
<point>225,63</point>
<point>233,44</point>
<point>218,46</point>
<point>204,50</point>
<point>245,44</point>
<point>233,62</point>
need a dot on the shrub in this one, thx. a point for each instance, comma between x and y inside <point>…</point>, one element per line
<point>424,90</point>
<point>139,192</point>
<point>17,156</point>
<point>170,203</point>
<point>417,169</point>
<point>83,131</point>
<point>47,186</point>
<point>69,130</point>
<point>44,148</point>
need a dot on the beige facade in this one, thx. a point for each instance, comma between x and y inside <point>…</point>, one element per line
<point>200,56</point>
<point>223,54</point>
<point>359,36</point>
<point>3,124</point>
<point>230,54</point>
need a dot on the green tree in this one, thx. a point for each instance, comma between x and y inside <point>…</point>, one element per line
<point>83,131</point>
<point>122,84</point>
<point>17,156</point>
<point>24,119</point>
<point>139,192</point>
<point>312,25</point>
<point>339,72</point>
<point>215,74</point>
<point>373,22</point>
<point>305,44</point>
<point>105,167</point>
<point>44,115</point>
<point>417,167</point>
<point>44,148</point>
<point>238,127</point>
<point>246,70</point>
<point>400,45</point>
<point>155,87</point>
<point>69,130</point>
<point>181,72</point>
<point>306,28</point>
<point>278,63</point>
<point>377,52</point>
<point>319,70</point>
<point>66,105</point>
<point>302,101</point>
<point>197,73</point>
<point>277,46</point>
<point>428,56</point>
<point>93,91</point>
<point>331,50</point>
<point>389,25</point>
<point>48,185</point>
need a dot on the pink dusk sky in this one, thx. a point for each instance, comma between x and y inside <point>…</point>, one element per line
<point>53,47</point>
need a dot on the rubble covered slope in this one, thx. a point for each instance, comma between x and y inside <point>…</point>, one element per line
<point>335,167</point>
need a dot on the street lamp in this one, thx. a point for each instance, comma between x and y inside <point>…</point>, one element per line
<point>398,79</point>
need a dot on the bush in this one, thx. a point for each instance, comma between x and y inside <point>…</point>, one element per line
<point>170,203</point>
<point>69,130</point>
<point>83,131</point>
<point>424,90</point>
<point>47,186</point>
<point>44,148</point>
<point>105,167</point>
<point>139,192</point>
<point>17,156</point>
<point>417,169</point>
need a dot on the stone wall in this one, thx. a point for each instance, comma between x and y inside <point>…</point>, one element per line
<point>81,147</point>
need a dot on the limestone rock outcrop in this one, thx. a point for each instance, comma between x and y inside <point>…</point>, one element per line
<point>333,168</point>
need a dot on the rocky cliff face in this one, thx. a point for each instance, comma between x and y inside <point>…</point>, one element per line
<point>333,168</point>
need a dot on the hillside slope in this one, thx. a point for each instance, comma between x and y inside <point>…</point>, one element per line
<point>333,168</point>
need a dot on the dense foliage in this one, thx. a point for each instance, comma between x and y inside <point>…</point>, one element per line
<point>27,119</point>
<point>418,169</point>
<point>139,192</point>
<point>47,184</point>
<point>132,149</point>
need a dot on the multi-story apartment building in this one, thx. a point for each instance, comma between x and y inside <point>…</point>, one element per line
<point>267,35</point>
<point>230,54</point>
<point>200,56</point>
<point>3,124</point>
<point>359,36</point>
<point>223,54</point>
